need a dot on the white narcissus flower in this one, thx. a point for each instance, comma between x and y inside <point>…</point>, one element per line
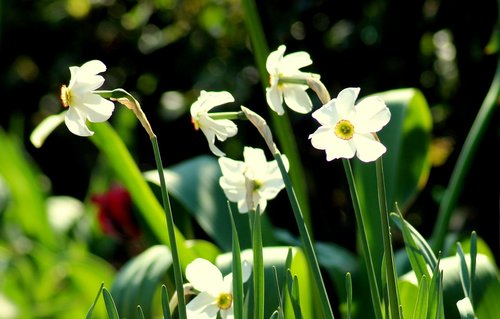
<point>223,128</point>
<point>283,70</point>
<point>348,129</point>
<point>81,100</point>
<point>215,292</point>
<point>263,179</point>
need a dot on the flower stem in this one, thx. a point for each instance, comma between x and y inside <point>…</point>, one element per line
<point>171,232</point>
<point>281,124</point>
<point>258,264</point>
<point>306,240</point>
<point>464,161</point>
<point>228,115</point>
<point>390,269</point>
<point>375,293</point>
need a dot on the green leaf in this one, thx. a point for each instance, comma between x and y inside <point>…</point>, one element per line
<point>89,314</point>
<point>406,168</point>
<point>236,268</point>
<point>110,304</point>
<point>140,279</point>
<point>165,302</point>
<point>194,183</point>
<point>420,311</point>
<point>293,292</point>
<point>27,206</point>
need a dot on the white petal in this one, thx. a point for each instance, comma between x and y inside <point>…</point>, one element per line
<point>295,61</point>
<point>222,128</point>
<point>255,159</point>
<point>297,99</point>
<point>93,67</point>
<point>243,206</point>
<point>274,59</point>
<point>75,121</point>
<point>227,314</point>
<point>234,191</point>
<point>373,114</point>
<point>202,307</point>
<point>230,167</point>
<point>246,270</point>
<point>367,148</point>
<point>209,100</point>
<point>327,114</point>
<point>203,275</point>
<point>324,139</point>
<point>345,101</point>
<point>96,108</point>
<point>47,126</point>
<point>274,99</point>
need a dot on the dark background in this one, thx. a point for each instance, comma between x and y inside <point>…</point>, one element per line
<point>181,47</point>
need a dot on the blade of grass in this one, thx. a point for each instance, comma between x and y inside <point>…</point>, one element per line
<point>236,267</point>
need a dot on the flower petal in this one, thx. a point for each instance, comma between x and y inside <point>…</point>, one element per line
<point>202,307</point>
<point>345,101</point>
<point>209,100</point>
<point>297,99</point>
<point>274,58</point>
<point>368,149</point>
<point>75,121</point>
<point>274,99</point>
<point>324,139</point>
<point>373,114</point>
<point>203,275</point>
<point>96,108</point>
<point>295,61</point>
<point>327,114</point>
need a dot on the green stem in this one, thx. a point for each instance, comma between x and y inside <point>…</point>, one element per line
<point>390,269</point>
<point>281,124</point>
<point>171,232</point>
<point>228,115</point>
<point>464,161</point>
<point>258,264</point>
<point>375,293</point>
<point>306,241</point>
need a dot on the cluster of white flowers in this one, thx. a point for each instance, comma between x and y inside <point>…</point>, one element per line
<point>346,129</point>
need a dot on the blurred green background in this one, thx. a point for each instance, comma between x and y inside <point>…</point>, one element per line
<point>166,51</point>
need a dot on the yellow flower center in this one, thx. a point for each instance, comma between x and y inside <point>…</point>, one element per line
<point>195,123</point>
<point>224,300</point>
<point>257,184</point>
<point>344,129</point>
<point>65,96</point>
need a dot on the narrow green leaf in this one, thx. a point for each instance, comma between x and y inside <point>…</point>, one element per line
<point>110,304</point>
<point>165,302</point>
<point>89,314</point>
<point>293,292</point>
<point>464,271</point>
<point>473,256</point>
<point>422,246</point>
<point>140,313</point>
<point>236,269</point>
<point>258,265</point>
<point>415,253</point>
<point>279,311</point>
<point>348,288</point>
<point>435,299</point>
<point>420,311</point>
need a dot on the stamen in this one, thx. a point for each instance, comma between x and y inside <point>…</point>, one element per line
<point>65,96</point>
<point>224,301</point>
<point>344,130</point>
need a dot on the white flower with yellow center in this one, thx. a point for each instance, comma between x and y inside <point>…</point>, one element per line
<point>215,291</point>
<point>348,129</point>
<point>81,100</point>
<point>253,182</point>
<point>286,82</point>
<point>211,128</point>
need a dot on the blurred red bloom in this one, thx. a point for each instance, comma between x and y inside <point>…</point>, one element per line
<point>115,213</point>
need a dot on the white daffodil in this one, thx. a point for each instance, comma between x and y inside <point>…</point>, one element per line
<point>287,82</point>
<point>222,128</point>
<point>81,100</point>
<point>215,292</point>
<point>252,182</point>
<point>347,129</point>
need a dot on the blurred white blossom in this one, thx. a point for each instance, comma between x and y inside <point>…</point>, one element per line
<point>251,182</point>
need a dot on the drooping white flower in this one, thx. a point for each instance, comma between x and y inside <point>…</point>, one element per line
<point>81,100</point>
<point>251,182</point>
<point>215,291</point>
<point>220,128</point>
<point>347,129</point>
<point>284,81</point>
